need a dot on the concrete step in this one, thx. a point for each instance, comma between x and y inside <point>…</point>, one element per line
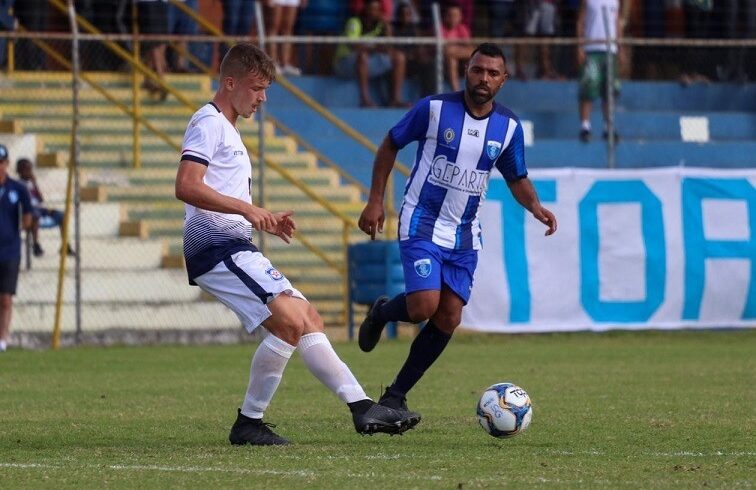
<point>120,127</point>
<point>210,314</point>
<point>61,79</point>
<point>119,315</point>
<point>104,286</point>
<point>101,253</point>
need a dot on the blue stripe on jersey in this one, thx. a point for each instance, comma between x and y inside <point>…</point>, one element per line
<point>418,156</point>
<point>432,196</point>
<point>496,130</point>
<point>511,164</point>
<point>253,285</point>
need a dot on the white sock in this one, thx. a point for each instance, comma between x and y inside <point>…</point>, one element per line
<point>322,361</point>
<point>586,125</point>
<point>3,346</point>
<point>268,365</point>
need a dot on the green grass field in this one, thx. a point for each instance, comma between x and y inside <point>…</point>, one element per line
<point>632,410</point>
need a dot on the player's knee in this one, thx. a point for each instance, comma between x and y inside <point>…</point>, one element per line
<point>292,330</point>
<point>314,322</point>
<point>420,312</point>
<point>447,322</point>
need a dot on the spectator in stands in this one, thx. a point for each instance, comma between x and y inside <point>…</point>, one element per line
<point>153,19</point>
<point>506,18</point>
<point>592,58</point>
<point>419,58</point>
<point>387,8</point>
<point>541,21</point>
<point>738,22</point>
<point>42,217</point>
<point>14,203</point>
<point>366,61</point>
<point>7,23</point>
<point>32,15</point>
<point>182,24</point>
<point>453,29</point>
<point>237,19</point>
<point>698,25</point>
<point>283,15</point>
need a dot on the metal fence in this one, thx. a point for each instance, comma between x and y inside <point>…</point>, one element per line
<point>104,130</point>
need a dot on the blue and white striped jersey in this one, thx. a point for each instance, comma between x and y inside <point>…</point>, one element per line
<point>455,155</point>
<point>209,237</point>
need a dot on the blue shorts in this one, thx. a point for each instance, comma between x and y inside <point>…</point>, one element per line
<point>427,266</point>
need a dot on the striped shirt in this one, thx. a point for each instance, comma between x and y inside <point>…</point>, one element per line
<point>455,155</point>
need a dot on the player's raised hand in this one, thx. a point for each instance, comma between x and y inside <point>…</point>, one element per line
<point>371,219</point>
<point>285,226</point>
<point>547,218</point>
<point>261,219</point>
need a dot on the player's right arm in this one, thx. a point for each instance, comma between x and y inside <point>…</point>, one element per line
<point>373,216</point>
<point>412,127</point>
<point>191,189</point>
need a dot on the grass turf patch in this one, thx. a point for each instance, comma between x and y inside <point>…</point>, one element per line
<point>620,409</point>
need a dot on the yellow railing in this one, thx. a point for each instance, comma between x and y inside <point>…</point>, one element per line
<point>347,222</point>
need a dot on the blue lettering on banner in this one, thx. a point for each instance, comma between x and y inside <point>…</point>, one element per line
<point>698,248</point>
<point>615,192</point>
<point>513,242</point>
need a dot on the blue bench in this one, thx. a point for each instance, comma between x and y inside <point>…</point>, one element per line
<point>374,269</point>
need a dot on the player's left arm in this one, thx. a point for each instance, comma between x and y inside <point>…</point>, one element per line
<point>511,164</point>
<point>525,194</point>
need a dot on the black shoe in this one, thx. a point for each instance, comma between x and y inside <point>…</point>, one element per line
<point>370,331</point>
<point>378,418</point>
<point>585,135</point>
<point>37,250</point>
<point>398,402</point>
<point>255,432</point>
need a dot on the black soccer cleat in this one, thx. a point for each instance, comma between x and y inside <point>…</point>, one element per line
<point>370,331</point>
<point>585,135</point>
<point>378,418</point>
<point>398,402</point>
<point>254,432</point>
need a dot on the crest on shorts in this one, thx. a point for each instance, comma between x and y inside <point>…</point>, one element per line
<point>274,273</point>
<point>448,135</point>
<point>493,148</point>
<point>423,267</point>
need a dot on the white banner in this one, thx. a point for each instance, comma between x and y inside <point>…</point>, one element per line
<point>652,248</point>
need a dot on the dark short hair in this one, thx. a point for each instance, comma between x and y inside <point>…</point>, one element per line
<point>244,58</point>
<point>21,162</point>
<point>490,49</point>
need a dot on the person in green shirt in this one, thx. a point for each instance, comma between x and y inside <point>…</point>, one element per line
<point>366,61</point>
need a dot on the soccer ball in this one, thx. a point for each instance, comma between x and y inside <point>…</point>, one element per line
<point>504,410</point>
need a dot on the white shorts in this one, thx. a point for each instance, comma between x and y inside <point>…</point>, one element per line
<point>285,3</point>
<point>246,282</point>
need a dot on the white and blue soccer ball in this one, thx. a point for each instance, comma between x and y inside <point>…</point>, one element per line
<point>504,410</point>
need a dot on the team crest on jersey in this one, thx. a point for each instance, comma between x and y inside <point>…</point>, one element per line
<point>274,274</point>
<point>423,267</point>
<point>493,148</point>
<point>448,135</point>
<point>13,197</point>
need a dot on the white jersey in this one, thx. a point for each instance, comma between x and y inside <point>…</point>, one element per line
<point>210,237</point>
<point>594,26</point>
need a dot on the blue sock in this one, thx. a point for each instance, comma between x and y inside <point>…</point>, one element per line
<point>425,349</point>
<point>394,310</point>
